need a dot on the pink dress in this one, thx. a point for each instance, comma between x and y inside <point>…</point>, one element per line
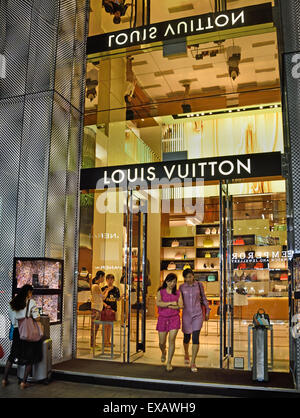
<point>168,318</point>
<point>192,318</point>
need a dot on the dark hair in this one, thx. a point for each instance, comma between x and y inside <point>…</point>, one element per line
<point>117,20</point>
<point>99,274</point>
<point>126,98</point>
<point>170,277</point>
<point>19,301</point>
<point>110,276</point>
<point>186,272</point>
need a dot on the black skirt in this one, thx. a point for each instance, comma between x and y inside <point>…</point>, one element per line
<point>24,352</point>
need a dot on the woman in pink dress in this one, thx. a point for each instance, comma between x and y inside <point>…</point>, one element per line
<point>193,296</point>
<point>169,302</point>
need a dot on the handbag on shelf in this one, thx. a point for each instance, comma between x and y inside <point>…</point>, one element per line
<point>186,266</point>
<point>208,242</point>
<point>214,231</point>
<point>171,266</point>
<point>175,243</point>
<point>239,241</point>
<point>211,278</point>
<point>108,315</point>
<point>207,255</point>
<point>284,276</point>
<point>29,329</point>
<point>179,256</point>
<point>242,266</point>
<point>259,265</point>
<point>261,319</point>
<point>207,231</point>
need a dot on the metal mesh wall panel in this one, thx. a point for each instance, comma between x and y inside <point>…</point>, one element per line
<point>33,175</point>
<point>40,144</point>
<point>290,31</point>
<point>11,111</point>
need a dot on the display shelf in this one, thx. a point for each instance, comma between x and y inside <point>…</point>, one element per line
<point>188,242</point>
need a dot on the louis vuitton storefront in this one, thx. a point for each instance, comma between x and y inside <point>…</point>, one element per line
<point>184,166</point>
<point>181,151</point>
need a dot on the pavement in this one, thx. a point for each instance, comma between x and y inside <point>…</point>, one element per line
<point>61,389</point>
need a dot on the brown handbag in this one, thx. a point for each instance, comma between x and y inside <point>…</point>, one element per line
<point>108,315</point>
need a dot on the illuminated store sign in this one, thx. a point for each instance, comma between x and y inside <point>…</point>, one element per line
<point>219,168</point>
<point>179,28</point>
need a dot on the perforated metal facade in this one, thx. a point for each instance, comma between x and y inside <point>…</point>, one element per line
<point>41,123</point>
<point>290,32</point>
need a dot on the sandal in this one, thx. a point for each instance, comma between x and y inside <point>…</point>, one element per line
<point>4,383</point>
<point>24,385</point>
<point>169,368</point>
<point>187,361</point>
<point>194,368</point>
<point>163,356</point>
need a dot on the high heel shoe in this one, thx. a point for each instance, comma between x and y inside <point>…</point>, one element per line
<point>169,368</point>
<point>187,361</point>
<point>194,368</point>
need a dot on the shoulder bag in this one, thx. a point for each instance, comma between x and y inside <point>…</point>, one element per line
<point>29,329</point>
<point>203,307</point>
<point>108,315</point>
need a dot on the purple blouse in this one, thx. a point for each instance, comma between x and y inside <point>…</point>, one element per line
<point>168,297</point>
<point>192,317</point>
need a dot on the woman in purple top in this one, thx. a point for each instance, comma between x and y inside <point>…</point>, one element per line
<point>169,302</point>
<point>193,296</point>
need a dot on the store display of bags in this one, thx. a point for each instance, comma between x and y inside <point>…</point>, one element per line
<point>208,242</point>
<point>171,266</point>
<point>175,243</point>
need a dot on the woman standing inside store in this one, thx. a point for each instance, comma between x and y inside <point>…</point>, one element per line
<point>194,300</point>
<point>169,302</point>
<point>97,303</point>
<point>109,306</point>
<point>23,352</point>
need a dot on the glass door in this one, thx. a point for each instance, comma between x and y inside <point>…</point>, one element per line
<point>135,273</point>
<point>226,288</point>
<point>255,273</point>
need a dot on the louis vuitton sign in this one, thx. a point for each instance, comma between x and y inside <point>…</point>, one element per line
<point>208,169</point>
<point>180,28</point>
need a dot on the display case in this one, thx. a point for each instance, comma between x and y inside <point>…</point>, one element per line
<point>45,275</point>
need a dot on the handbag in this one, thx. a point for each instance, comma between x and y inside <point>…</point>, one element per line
<point>214,231</point>
<point>186,266</point>
<point>242,266</point>
<point>171,266</point>
<point>207,255</point>
<point>259,265</point>
<point>208,242</point>
<point>1,352</point>
<point>203,307</point>
<point>239,241</point>
<point>29,329</point>
<point>175,243</point>
<point>87,306</point>
<point>211,278</point>
<point>179,256</point>
<point>108,315</point>
<point>261,319</point>
<point>11,332</point>
<point>207,231</point>
<point>284,276</point>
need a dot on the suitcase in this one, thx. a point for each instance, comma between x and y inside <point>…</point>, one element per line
<point>41,372</point>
